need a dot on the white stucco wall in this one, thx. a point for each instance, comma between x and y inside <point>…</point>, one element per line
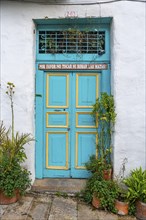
<point>127,70</point>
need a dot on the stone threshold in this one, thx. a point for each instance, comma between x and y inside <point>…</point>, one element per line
<point>69,186</point>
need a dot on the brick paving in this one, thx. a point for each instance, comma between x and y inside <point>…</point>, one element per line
<point>51,207</point>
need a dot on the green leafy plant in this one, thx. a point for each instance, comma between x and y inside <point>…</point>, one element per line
<point>87,192</point>
<point>12,153</point>
<point>106,191</point>
<point>97,165</point>
<point>122,194</point>
<point>136,184</point>
<point>2,132</point>
<point>104,113</point>
<point>13,177</point>
<point>93,164</point>
<point>14,149</point>
<point>132,208</point>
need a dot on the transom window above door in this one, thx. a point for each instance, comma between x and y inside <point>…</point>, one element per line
<point>72,41</point>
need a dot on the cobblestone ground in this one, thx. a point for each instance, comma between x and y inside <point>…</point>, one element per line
<point>50,207</point>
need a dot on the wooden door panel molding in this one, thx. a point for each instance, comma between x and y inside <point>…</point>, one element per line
<point>57,90</point>
<point>86,89</point>
<point>57,119</point>
<point>57,150</point>
<point>83,121</point>
<point>85,146</point>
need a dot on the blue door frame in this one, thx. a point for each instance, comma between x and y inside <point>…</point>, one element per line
<point>70,130</point>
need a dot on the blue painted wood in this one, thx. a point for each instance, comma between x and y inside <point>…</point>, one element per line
<point>39,131</point>
<point>57,90</point>
<point>87,90</point>
<point>86,147</point>
<point>56,150</point>
<point>85,119</point>
<point>106,81</point>
<point>54,119</point>
<point>68,21</point>
<point>56,138</point>
<point>81,138</point>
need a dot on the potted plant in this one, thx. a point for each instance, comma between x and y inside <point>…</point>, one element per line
<point>104,112</point>
<point>105,192</point>
<point>107,165</point>
<point>97,165</point>
<point>87,192</point>
<point>101,193</point>
<point>121,203</point>
<point>14,179</point>
<point>136,184</point>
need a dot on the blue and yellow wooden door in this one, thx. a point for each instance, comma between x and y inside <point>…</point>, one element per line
<point>69,129</point>
<point>56,119</point>
<point>84,135</point>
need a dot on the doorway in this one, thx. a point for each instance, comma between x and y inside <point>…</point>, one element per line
<point>69,129</point>
<point>65,130</point>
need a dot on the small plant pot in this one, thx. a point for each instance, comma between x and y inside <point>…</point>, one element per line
<point>141,210</point>
<point>122,207</point>
<point>96,202</point>
<point>107,174</point>
<point>6,200</point>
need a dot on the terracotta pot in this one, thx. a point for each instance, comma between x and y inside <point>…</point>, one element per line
<point>5,200</point>
<point>107,174</point>
<point>122,207</point>
<point>141,210</point>
<point>95,202</point>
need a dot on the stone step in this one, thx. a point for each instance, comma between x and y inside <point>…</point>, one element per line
<point>69,186</point>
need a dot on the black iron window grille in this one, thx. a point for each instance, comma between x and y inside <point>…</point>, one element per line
<point>71,41</point>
